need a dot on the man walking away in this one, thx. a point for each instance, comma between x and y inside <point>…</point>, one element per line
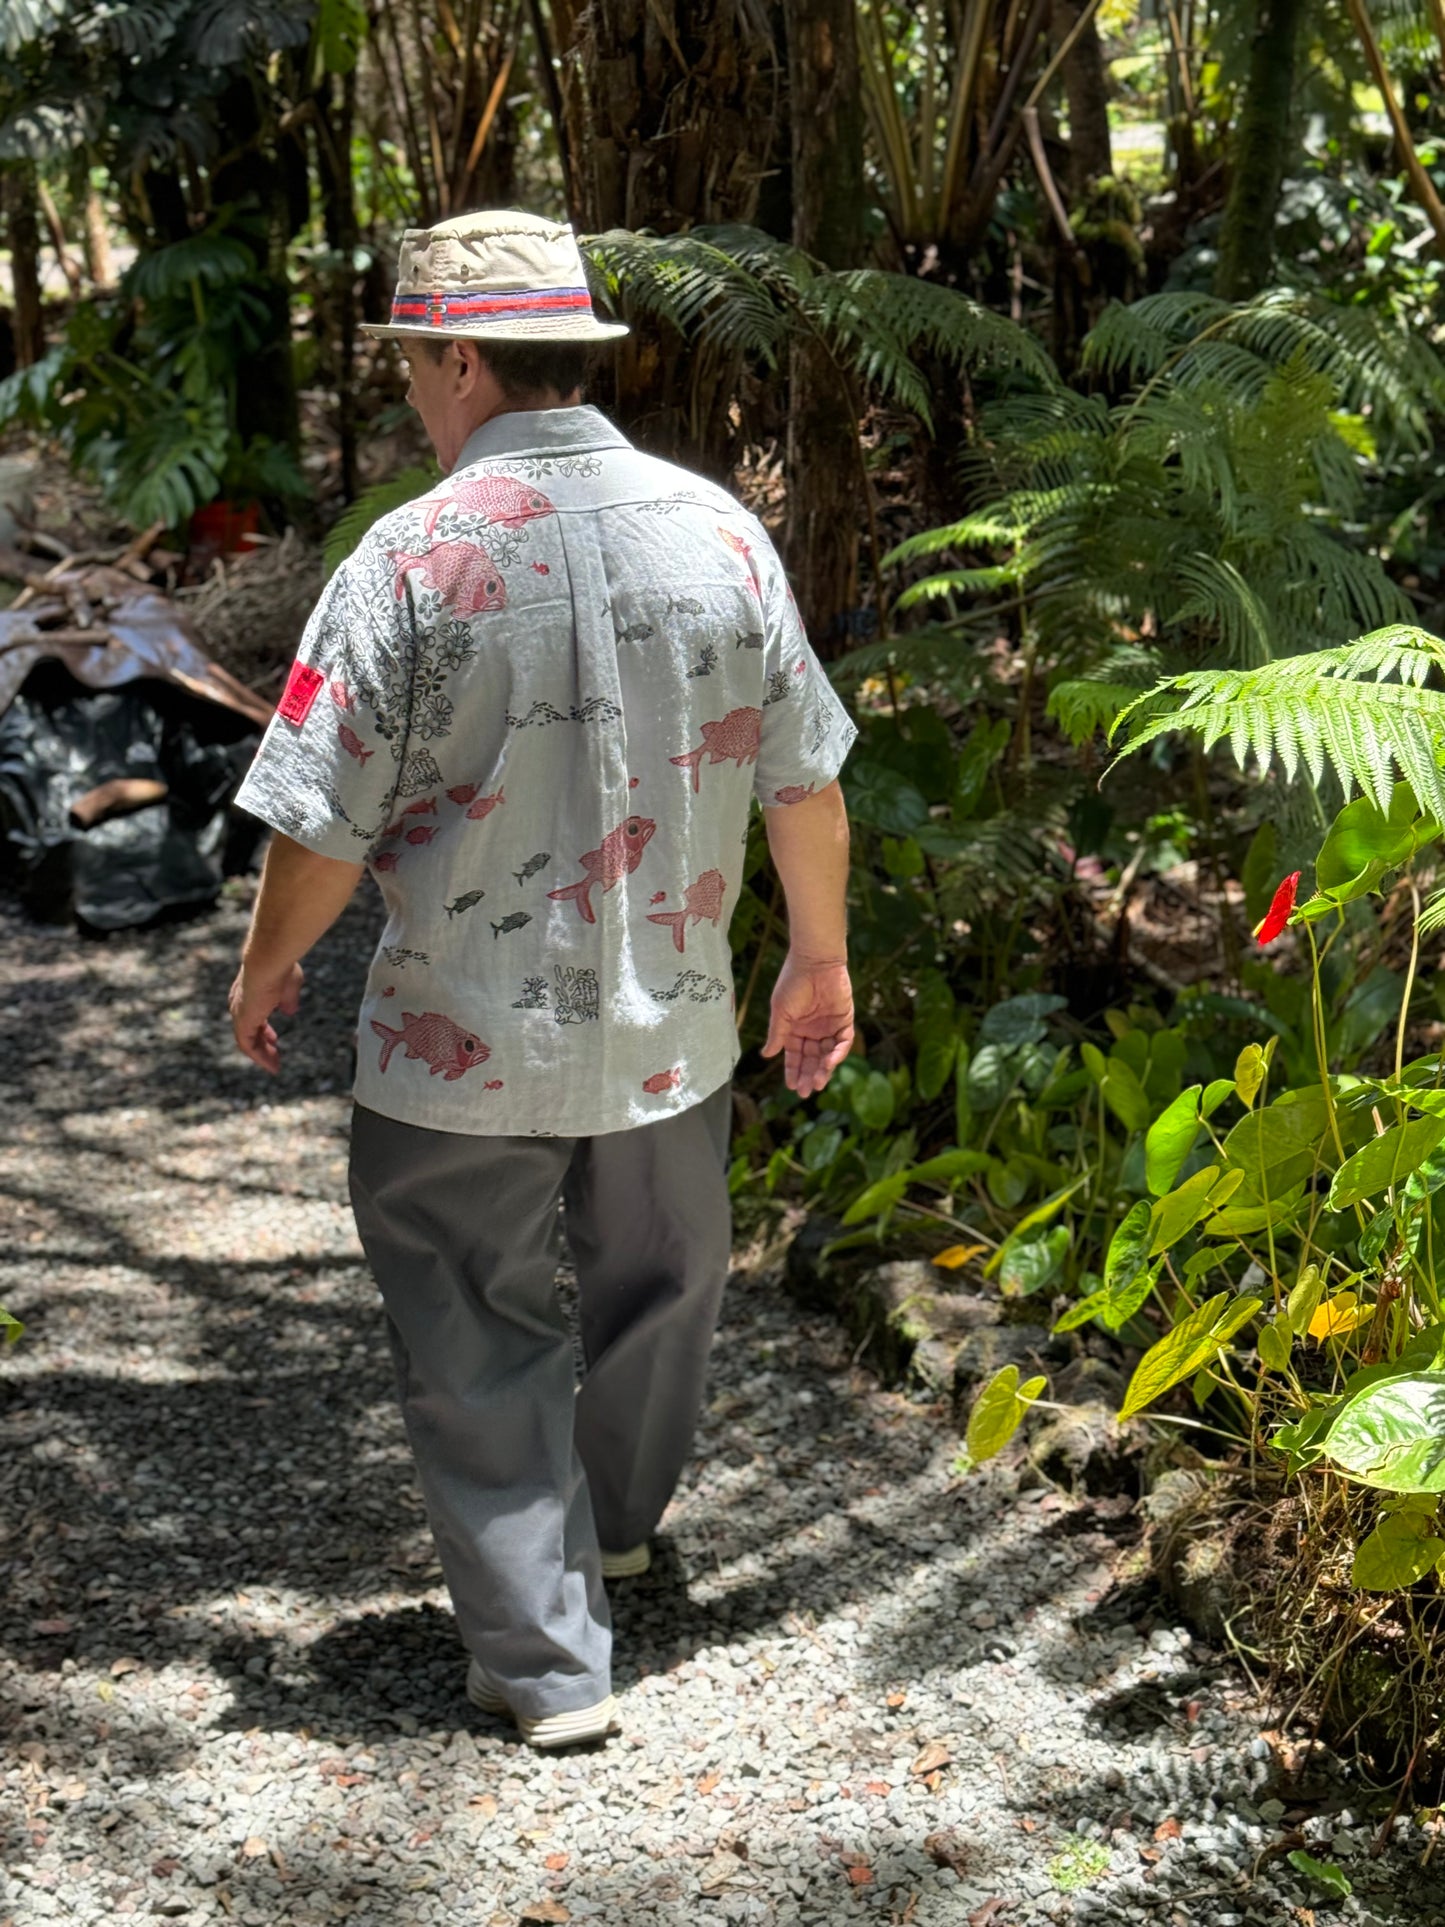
<point>536,704</point>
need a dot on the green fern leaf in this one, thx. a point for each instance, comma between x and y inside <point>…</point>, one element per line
<point>351,525</point>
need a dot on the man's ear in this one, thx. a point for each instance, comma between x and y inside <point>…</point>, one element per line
<point>470,370</point>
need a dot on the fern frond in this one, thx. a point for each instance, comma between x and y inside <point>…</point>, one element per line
<point>1333,709</point>
<point>347,531</point>
<point>25,21</point>
<point>701,289</point>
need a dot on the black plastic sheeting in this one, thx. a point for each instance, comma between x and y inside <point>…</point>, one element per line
<point>59,740</point>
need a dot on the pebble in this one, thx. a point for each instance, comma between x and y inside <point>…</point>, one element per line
<point>852,1687</point>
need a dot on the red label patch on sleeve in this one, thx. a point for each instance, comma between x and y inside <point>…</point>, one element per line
<point>303,686</point>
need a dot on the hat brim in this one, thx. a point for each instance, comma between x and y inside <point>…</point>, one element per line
<point>571,328</point>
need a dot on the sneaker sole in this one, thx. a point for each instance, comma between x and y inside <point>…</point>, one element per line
<point>552,1729</point>
<point>627,1565</point>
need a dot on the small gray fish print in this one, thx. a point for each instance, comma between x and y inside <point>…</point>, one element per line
<point>752,640</point>
<point>533,865</point>
<point>640,631</point>
<point>468,902</point>
<point>684,605</point>
<point>513,922</point>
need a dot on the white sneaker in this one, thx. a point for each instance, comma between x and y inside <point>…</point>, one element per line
<point>627,1565</point>
<point>552,1729</point>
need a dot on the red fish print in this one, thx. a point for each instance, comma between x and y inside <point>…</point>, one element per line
<point>388,860</point>
<point>661,1081</point>
<point>495,1085</point>
<point>736,739</point>
<point>800,668</point>
<point>353,745</point>
<point>702,900</point>
<point>427,807</point>
<point>633,781</point>
<point>501,498</point>
<point>735,542</point>
<point>422,834</point>
<point>617,856</point>
<point>436,1040</point>
<point>794,793</point>
<point>464,792</point>
<point>541,568</point>
<point>343,698</point>
<point>390,991</point>
<point>465,575</point>
<point>661,897</point>
<point>484,806</point>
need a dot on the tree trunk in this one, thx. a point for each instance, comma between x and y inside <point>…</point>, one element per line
<point>22,233</point>
<point>1086,88</point>
<point>99,262</point>
<point>678,102</point>
<point>334,124</point>
<point>1246,248</point>
<point>821,539</point>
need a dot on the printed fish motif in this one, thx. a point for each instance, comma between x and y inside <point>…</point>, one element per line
<point>422,834</point>
<point>794,793</point>
<point>501,498</point>
<point>464,574</point>
<point>617,856</point>
<point>468,902</point>
<point>393,829</point>
<point>533,865</point>
<point>427,807</point>
<point>635,632</point>
<point>542,569</point>
<point>494,1085</point>
<point>388,860</point>
<point>436,1040</point>
<point>684,605</point>
<point>702,901</point>
<point>737,738</point>
<point>660,897</point>
<point>343,698</point>
<point>661,1081</point>
<point>735,542</point>
<point>513,922</point>
<point>752,640</point>
<point>484,806</point>
<point>353,745</point>
<point>464,792</point>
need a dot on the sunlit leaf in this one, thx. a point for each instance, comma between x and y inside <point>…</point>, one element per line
<point>1399,1552</point>
<point>1385,1161</point>
<point>1170,1140</point>
<point>1180,1353</point>
<point>997,1412</point>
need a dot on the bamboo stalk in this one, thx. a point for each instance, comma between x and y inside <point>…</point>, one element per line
<point>57,237</point>
<point>433,125</point>
<point>410,131</point>
<point>489,112</point>
<point>970,60</point>
<point>928,107</point>
<point>469,35</point>
<point>1421,182</point>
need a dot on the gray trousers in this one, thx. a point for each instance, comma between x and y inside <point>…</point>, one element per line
<point>524,1474</point>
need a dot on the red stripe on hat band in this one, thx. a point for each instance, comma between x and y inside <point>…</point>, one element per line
<point>438,308</point>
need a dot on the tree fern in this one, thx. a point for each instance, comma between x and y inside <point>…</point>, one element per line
<point>1361,711</point>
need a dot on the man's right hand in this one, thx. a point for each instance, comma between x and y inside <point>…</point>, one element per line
<point>812,1022</point>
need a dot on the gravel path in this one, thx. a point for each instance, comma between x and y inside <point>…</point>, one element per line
<point>853,1688</point>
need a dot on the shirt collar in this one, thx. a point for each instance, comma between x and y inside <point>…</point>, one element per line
<point>540,431</point>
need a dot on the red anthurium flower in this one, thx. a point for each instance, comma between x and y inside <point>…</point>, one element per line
<point>1279,912</point>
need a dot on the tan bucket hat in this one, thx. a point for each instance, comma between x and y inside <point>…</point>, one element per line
<point>494,276</point>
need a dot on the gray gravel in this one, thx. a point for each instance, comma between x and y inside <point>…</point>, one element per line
<point>853,1687</point>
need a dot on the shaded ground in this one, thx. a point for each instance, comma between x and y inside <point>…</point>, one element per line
<point>853,1688</point>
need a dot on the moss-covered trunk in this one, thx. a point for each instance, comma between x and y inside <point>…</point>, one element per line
<point>1246,249</point>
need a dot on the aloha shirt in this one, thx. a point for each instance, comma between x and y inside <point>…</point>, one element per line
<point>538,702</point>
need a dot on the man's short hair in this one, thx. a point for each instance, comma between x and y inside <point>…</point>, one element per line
<point>525,369</point>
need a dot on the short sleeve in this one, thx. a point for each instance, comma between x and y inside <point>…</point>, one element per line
<point>806,731</point>
<point>327,770</point>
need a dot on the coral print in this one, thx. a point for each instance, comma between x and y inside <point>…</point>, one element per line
<point>617,856</point>
<point>353,745</point>
<point>464,575</point>
<point>736,739</point>
<point>436,1040</point>
<point>498,497</point>
<point>662,1081</point>
<point>703,901</point>
<point>735,542</point>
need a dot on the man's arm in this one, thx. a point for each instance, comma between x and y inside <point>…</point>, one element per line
<point>812,1014</point>
<point>300,897</point>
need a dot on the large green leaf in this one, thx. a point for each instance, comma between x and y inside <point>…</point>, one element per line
<point>1364,843</point>
<point>1033,1262</point>
<point>873,1101</point>
<point>1392,1435</point>
<point>1384,1161</point>
<point>1279,1146</point>
<point>1171,1139</point>
<point>997,1411</point>
<point>933,1033</point>
<point>991,1071</point>
<point>881,797</point>
<point>1399,1552</point>
<point>1181,1352</point>
<point>1119,1082</point>
<point>1181,1210</point>
<point>1020,1020</point>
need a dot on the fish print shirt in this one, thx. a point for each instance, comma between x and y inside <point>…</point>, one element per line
<point>537,703</point>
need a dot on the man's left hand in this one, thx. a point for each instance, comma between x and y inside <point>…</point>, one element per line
<point>254,998</point>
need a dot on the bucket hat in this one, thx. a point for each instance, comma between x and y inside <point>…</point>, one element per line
<point>493,276</point>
